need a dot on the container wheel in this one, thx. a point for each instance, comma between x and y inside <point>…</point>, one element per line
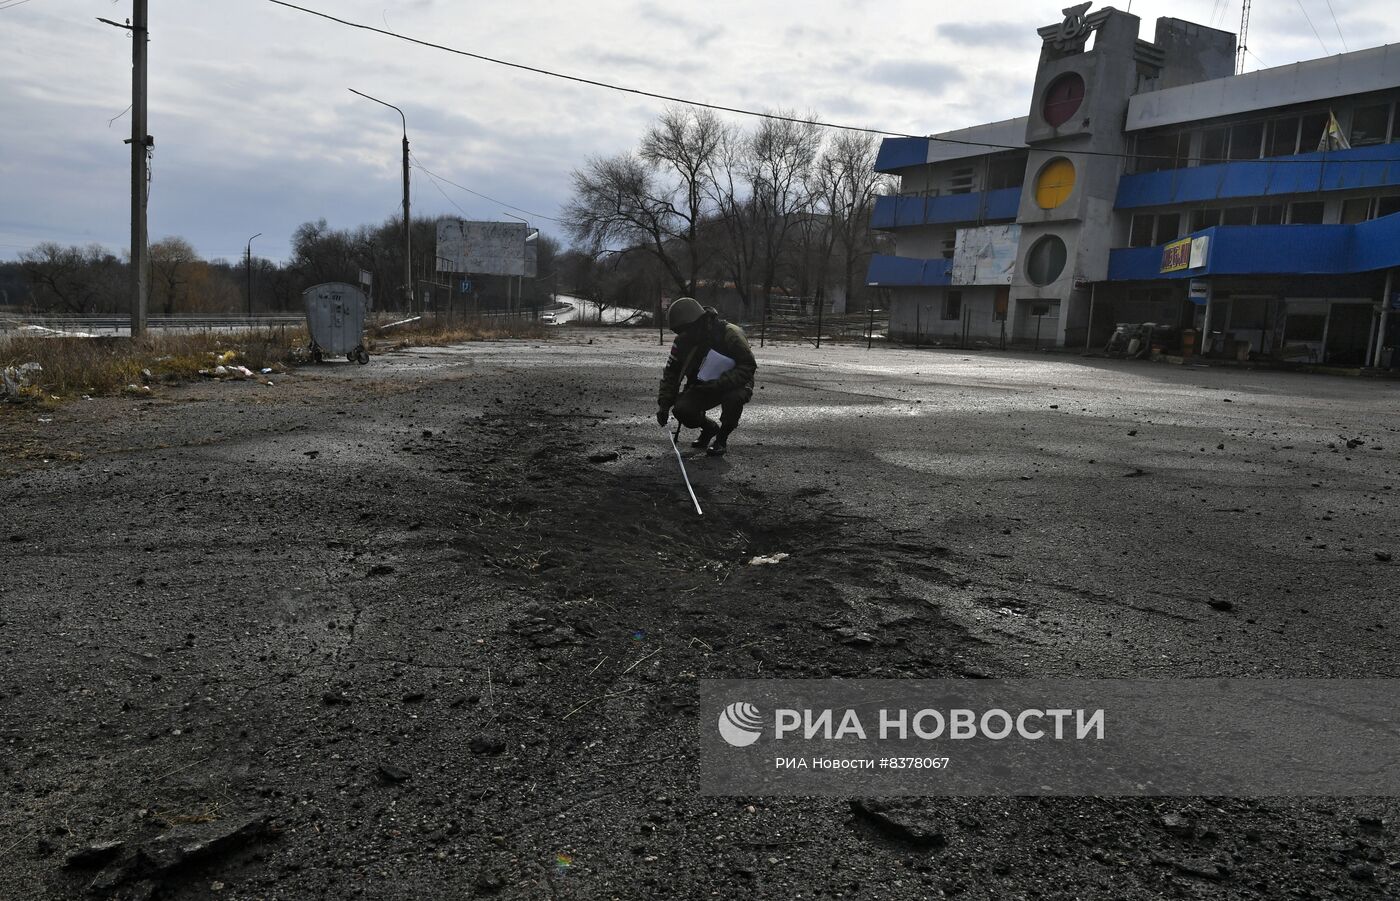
<point>361,355</point>
<point>316,356</point>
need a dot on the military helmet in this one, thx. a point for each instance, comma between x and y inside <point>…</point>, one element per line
<point>683,312</point>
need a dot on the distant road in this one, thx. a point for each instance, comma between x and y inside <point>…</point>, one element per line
<point>94,326</point>
<point>587,312</point>
<point>570,309</point>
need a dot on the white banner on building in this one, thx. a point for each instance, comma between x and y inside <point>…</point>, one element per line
<point>485,248</point>
<point>986,255</point>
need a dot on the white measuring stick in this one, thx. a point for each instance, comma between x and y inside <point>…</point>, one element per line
<point>684,475</point>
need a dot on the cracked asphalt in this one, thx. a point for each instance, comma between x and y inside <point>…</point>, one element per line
<point>387,632</point>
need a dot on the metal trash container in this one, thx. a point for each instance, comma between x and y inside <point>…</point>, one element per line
<point>335,316</point>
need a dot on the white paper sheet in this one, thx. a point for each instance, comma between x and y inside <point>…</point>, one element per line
<point>713,366</point>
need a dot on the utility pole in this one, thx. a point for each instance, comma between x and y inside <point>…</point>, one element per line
<point>249,258</point>
<point>140,149</point>
<point>141,144</point>
<point>407,221</point>
<point>1244,38</point>
<point>408,288</point>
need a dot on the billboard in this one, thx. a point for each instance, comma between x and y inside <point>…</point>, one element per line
<point>986,255</point>
<point>485,248</point>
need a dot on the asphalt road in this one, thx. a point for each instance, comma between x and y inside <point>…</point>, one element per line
<point>432,627</point>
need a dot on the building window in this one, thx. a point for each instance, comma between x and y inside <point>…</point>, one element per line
<point>1238,215</point>
<point>1387,206</point>
<point>1308,212</point>
<point>1357,209</point>
<point>1006,172</point>
<point>1213,146</point>
<point>1310,135</point>
<point>1304,327</point>
<point>1370,125</point>
<point>1046,260</point>
<point>1282,137</point>
<point>1062,99</point>
<point>960,181</point>
<point>1162,151</point>
<point>1270,214</point>
<point>1204,219</point>
<point>1246,140</point>
<point>1054,183</point>
<point>1168,227</point>
<point>950,247</point>
<point>1140,234</point>
<point>952,305</point>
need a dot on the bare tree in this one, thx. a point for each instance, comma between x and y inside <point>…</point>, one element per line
<point>654,200</point>
<point>735,212</point>
<point>847,184</point>
<point>172,262</point>
<point>782,153</point>
<point>76,280</point>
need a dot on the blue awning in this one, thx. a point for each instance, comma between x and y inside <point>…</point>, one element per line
<point>981,206</point>
<point>905,272</point>
<point>901,153</point>
<point>1274,250</point>
<point>1305,173</point>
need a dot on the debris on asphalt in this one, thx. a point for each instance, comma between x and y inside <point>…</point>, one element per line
<point>1178,825</point>
<point>603,457</point>
<point>14,379</point>
<point>393,774</point>
<point>896,824</point>
<point>486,745</point>
<point>768,559</point>
<point>93,856</point>
<point>1202,868</point>
<point>139,871</point>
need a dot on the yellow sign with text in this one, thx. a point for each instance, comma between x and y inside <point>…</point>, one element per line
<point>1176,255</point>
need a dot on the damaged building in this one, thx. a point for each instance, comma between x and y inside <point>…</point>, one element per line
<point>1245,215</point>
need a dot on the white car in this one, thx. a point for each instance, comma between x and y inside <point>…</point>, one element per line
<point>548,319</point>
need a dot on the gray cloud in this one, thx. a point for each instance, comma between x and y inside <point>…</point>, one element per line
<point>916,75</point>
<point>987,34</point>
<point>255,130</point>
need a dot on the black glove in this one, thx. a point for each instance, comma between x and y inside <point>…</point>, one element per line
<point>663,416</point>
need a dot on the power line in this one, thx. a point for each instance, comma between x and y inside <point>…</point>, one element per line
<point>1338,26</point>
<point>432,178</point>
<point>755,113</point>
<point>1313,27</point>
<point>478,193</point>
<point>12,4</point>
<point>612,87</point>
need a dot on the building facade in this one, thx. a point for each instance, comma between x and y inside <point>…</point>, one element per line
<point>1252,215</point>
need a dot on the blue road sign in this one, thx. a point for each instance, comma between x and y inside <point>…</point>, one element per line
<point>466,286</point>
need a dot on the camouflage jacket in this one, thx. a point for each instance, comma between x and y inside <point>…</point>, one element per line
<point>690,349</point>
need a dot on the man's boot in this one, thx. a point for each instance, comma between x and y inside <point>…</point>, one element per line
<point>707,431</point>
<point>721,444</point>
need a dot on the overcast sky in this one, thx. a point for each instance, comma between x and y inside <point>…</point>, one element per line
<point>256,131</point>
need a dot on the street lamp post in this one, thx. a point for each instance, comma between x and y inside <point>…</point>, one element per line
<point>407,222</point>
<point>248,261</point>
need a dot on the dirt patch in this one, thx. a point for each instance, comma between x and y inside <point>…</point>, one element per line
<point>401,639</point>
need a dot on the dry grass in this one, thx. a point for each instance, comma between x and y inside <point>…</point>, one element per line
<point>73,367</point>
<point>100,366</point>
<point>431,333</point>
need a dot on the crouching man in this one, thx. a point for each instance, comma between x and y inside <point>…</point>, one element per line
<point>713,357</point>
